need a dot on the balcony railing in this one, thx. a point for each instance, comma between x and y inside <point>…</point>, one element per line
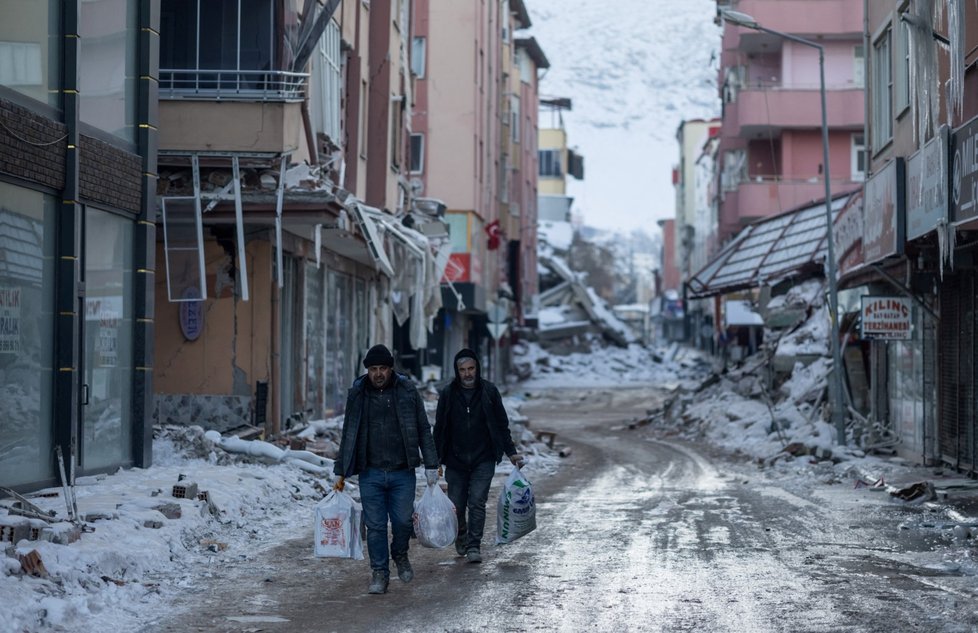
<point>238,85</point>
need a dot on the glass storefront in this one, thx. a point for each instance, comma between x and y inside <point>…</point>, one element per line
<point>27,259</point>
<point>107,357</point>
<point>315,339</point>
<point>107,66</point>
<point>30,49</point>
<point>341,354</point>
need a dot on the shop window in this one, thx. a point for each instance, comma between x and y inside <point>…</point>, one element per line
<point>27,259</point>
<point>107,359</point>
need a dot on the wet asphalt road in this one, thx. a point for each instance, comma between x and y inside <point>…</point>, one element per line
<point>635,533</point>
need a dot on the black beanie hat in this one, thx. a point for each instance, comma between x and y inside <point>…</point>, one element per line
<point>378,355</point>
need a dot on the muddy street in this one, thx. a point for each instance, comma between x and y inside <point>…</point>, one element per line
<point>635,533</point>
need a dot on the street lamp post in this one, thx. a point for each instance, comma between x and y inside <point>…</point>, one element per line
<point>835,384</point>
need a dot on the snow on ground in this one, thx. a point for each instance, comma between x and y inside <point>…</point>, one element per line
<point>147,546</point>
<point>594,363</point>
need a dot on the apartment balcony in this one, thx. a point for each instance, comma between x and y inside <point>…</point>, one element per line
<point>762,197</point>
<point>231,111</point>
<point>765,111</point>
<point>825,17</point>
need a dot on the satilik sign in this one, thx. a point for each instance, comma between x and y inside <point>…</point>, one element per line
<point>886,318</point>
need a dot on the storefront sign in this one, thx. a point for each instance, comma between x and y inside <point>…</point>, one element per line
<point>964,171</point>
<point>883,213</point>
<point>458,268</point>
<point>191,314</point>
<point>9,320</point>
<point>886,317</point>
<point>927,186</point>
<point>848,234</point>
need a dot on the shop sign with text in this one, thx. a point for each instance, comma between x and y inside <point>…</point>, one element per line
<point>886,317</point>
<point>964,171</point>
<point>927,186</point>
<point>883,213</point>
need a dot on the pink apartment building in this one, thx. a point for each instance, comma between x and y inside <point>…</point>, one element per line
<point>770,152</point>
<point>472,127</point>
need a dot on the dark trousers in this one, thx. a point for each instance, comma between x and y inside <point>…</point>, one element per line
<point>387,495</point>
<point>469,489</point>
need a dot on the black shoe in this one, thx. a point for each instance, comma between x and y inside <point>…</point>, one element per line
<point>460,542</point>
<point>404,571</point>
<point>473,556</point>
<point>378,582</point>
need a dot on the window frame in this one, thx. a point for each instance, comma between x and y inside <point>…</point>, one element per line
<point>882,114</point>
<point>416,167</point>
<point>548,158</point>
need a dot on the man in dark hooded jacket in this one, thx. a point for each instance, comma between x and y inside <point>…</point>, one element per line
<point>384,428</point>
<point>471,436</point>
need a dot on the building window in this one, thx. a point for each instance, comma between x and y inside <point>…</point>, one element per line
<point>901,83</point>
<point>858,157</point>
<point>550,163</point>
<point>514,119</point>
<point>396,140</point>
<point>223,48</point>
<point>859,66</point>
<point>107,66</point>
<point>330,76</point>
<point>417,153</point>
<point>734,169</point>
<point>882,91</point>
<point>30,49</point>
<point>362,115</point>
<point>418,52</point>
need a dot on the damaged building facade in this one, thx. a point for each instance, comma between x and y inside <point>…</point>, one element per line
<point>77,158</point>
<point>903,240</point>
<point>283,196</point>
<point>918,242</point>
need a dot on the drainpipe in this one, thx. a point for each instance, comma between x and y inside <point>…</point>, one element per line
<point>866,109</point>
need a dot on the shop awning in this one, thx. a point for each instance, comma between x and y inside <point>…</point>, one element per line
<point>768,251</point>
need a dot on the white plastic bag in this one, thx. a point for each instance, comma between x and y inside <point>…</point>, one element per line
<point>516,513</point>
<point>337,532</point>
<point>435,521</point>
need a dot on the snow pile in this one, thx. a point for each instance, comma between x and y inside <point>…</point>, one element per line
<point>593,363</point>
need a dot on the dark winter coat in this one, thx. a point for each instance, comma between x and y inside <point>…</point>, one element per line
<point>414,424</point>
<point>492,413</point>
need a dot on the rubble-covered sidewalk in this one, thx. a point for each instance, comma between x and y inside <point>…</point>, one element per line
<point>142,536</point>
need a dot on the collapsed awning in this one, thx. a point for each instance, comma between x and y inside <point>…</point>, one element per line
<point>768,251</point>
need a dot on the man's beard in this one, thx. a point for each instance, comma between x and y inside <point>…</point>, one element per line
<point>468,383</point>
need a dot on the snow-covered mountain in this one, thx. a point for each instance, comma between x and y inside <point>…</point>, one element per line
<point>634,69</point>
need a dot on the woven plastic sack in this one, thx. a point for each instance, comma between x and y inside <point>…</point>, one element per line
<point>516,513</point>
<point>435,521</point>
<point>337,533</point>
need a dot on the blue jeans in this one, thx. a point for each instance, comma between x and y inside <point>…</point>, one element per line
<point>469,489</point>
<point>387,495</point>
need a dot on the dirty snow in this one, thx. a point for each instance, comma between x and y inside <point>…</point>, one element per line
<point>147,546</point>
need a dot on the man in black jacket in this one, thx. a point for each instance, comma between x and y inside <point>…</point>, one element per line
<point>471,436</point>
<point>384,426</point>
